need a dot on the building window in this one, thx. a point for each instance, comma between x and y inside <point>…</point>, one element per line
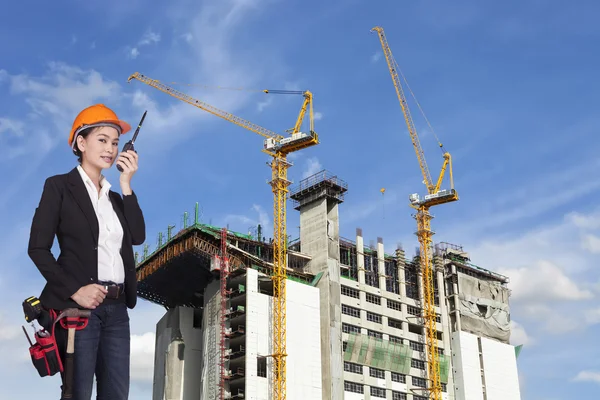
<point>394,323</point>
<point>412,310</point>
<point>373,317</point>
<point>353,368</point>
<point>418,382</point>
<point>371,298</point>
<point>376,373</point>
<point>344,345</point>
<point>375,334</point>
<point>400,378</point>
<point>416,346</point>
<point>347,328</point>
<point>415,397</point>
<point>353,387</point>
<point>261,366</point>
<point>351,311</point>
<point>399,396</point>
<point>394,305</point>
<point>419,364</point>
<point>377,392</point>
<point>416,329</point>
<point>350,292</point>
<point>395,339</point>
<point>444,387</point>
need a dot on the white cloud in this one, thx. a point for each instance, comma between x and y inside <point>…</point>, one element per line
<point>7,330</point>
<point>376,56</point>
<point>242,223</point>
<point>149,38</point>
<point>591,243</point>
<point>554,284</point>
<point>534,196</point>
<point>12,126</point>
<point>54,99</point>
<point>134,53</point>
<point>588,376</point>
<point>518,335</point>
<point>583,221</point>
<point>264,104</point>
<point>543,282</point>
<point>312,167</point>
<point>318,116</point>
<point>142,356</point>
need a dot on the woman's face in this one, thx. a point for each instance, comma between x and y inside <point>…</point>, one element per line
<point>100,148</point>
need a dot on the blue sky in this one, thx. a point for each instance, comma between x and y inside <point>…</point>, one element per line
<point>509,88</point>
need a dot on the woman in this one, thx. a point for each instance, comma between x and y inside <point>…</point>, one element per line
<point>96,230</point>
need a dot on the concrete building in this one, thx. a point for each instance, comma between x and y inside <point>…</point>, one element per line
<point>354,326</point>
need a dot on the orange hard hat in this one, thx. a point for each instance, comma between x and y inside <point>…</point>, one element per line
<point>96,115</point>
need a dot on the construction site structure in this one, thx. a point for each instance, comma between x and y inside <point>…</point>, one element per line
<point>355,326</point>
<point>278,147</point>
<point>435,196</point>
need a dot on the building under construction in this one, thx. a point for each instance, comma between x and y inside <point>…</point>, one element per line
<point>354,321</point>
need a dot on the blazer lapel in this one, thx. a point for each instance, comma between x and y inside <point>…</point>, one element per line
<point>77,188</point>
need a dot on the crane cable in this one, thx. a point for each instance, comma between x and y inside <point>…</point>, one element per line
<point>418,104</point>
<point>274,91</point>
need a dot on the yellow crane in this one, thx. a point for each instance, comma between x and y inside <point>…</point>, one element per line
<point>278,147</point>
<point>434,197</point>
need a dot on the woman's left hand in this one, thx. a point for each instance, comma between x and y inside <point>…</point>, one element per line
<point>129,162</point>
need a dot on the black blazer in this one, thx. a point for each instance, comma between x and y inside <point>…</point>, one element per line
<point>66,211</point>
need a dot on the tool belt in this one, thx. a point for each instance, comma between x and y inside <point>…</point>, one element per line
<point>45,352</point>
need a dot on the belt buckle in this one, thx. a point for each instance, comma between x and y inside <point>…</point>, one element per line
<point>112,291</point>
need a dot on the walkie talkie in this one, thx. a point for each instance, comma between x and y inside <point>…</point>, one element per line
<point>129,144</point>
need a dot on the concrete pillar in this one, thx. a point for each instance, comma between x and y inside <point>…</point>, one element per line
<point>318,198</point>
<point>401,265</point>
<point>178,356</point>
<point>381,264</point>
<point>360,256</point>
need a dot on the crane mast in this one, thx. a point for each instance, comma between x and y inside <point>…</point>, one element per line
<point>424,234</point>
<point>278,147</point>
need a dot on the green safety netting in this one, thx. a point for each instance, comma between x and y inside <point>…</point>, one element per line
<point>378,353</point>
<point>444,363</point>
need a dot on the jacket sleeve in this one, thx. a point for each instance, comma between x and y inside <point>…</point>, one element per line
<point>41,237</point>
<point>135,219</point>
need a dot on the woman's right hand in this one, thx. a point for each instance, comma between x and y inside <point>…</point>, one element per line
<point>90,296</point>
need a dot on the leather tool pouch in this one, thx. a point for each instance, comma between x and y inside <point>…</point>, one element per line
<point>44,354</point>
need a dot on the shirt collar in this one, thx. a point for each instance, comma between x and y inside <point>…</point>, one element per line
<point>104,183</point>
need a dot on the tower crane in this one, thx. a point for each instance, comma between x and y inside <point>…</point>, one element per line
<point>435,197</point>
<point>278,147</point>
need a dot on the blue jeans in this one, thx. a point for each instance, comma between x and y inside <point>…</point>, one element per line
<point>103,348</point>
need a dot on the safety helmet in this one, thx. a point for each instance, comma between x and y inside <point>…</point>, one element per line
<point>96,115</point>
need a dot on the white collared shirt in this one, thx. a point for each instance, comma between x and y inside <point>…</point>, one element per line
<point>110,235</point>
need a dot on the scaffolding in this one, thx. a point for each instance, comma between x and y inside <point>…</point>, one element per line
<point>223,316</point>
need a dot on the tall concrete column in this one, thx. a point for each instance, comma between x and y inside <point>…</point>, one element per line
<point>317,198</point>
<point>381,264</point>
<point>360,256</point>
<point>400,264</point>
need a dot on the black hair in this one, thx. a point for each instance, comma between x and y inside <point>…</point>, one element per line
<point>84,133</point>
